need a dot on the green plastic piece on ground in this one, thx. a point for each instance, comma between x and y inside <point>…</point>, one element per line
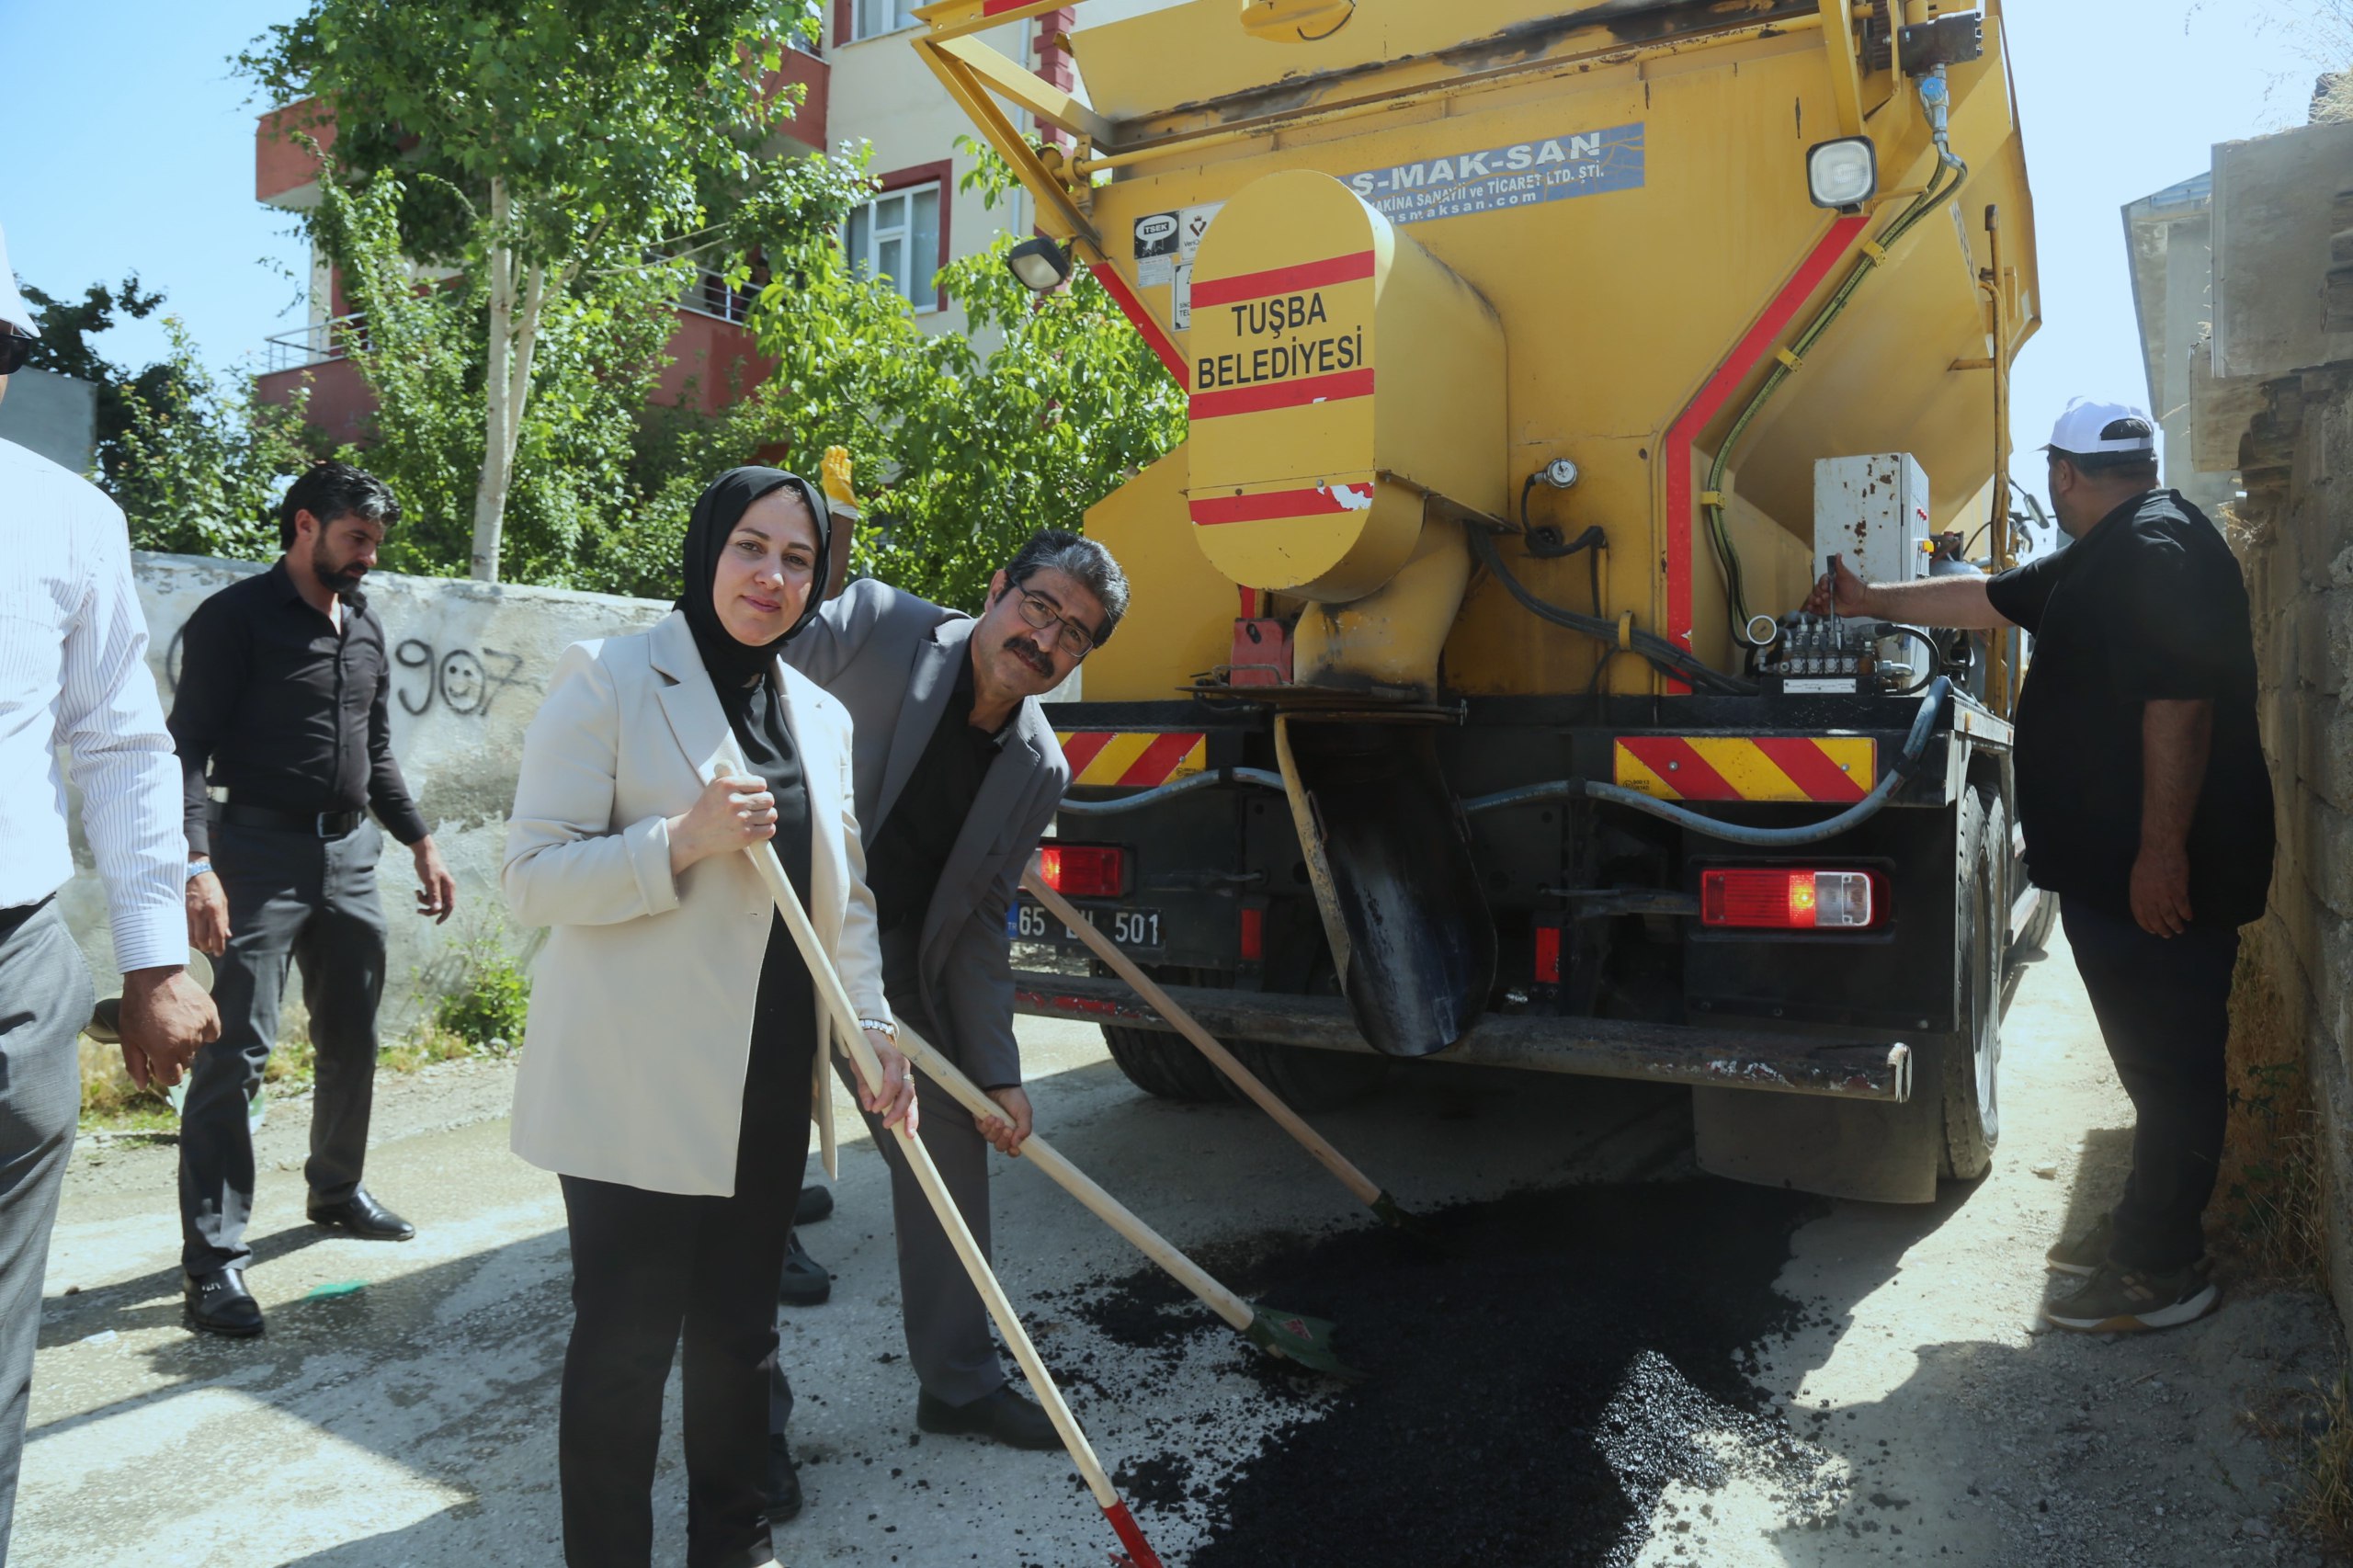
<point>1294,1337</point>
<point>338,1287</point>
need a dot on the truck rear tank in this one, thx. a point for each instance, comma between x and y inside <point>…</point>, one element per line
<point>1514,334</point>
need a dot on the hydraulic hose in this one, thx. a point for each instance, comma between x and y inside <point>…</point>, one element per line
<point>1923,726</point>
<point>1257,776</point>
<point>1663,655</point>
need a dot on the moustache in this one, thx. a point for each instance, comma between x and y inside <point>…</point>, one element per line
<point>1027,652</point>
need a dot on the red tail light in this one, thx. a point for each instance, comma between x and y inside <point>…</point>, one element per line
<point>1254,935</point>
<point>1084,871</point>
<point>1548,955</point>
<point>1790,899</point>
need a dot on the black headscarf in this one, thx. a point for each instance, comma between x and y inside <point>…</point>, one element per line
<point>721,507</point>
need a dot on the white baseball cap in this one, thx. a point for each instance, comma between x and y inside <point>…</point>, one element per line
<point>13,309</point>
<point>2090,426</point>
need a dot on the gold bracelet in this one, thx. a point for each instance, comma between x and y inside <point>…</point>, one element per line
<point>879,1025</point>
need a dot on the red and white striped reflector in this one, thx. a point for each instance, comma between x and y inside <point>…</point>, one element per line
<point>1783,898</point>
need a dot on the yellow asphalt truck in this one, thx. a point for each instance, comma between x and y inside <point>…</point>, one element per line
<point>1539,356</point>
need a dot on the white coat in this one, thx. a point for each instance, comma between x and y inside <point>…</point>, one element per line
<point>641,1020</point>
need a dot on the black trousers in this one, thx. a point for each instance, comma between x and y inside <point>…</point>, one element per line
<point>647,1267</point>
<point>2163,1005</point>
<point>293,898</point>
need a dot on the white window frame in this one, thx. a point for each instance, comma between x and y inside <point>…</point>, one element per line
<point>917,287</point>
<point>880,19</point>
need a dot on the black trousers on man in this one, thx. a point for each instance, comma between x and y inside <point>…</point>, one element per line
<point>310,901</point>
<point>647,1267</point>
<point>2163,1005</point>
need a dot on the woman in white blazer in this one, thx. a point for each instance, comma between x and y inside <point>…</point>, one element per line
<point>676,1033</point>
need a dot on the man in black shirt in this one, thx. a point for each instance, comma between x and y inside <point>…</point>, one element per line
<point>284,696</point>
<point>2146,804</point>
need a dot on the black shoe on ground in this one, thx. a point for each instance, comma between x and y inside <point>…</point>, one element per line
<point>1003,1416</point>
<point>805,1281</point>
<point>816,1204</point>
<point>219,1304</point>
<point>363,1217</point>
<point>781,1496</point>
<point>2123,1301</point>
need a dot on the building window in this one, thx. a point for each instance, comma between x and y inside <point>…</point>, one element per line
<point>896,235</point>
<point>872,19</point>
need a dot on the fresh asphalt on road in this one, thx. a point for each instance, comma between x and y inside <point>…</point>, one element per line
<point>400,1410</point>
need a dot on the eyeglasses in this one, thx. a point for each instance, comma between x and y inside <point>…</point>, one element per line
<point>15,349</point>
<point>1040,613</point>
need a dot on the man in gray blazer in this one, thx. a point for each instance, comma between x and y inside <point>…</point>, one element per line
<point>957,774</point>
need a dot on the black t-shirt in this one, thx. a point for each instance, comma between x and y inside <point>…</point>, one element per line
<point>2149,605</point>
<point>906,854</point>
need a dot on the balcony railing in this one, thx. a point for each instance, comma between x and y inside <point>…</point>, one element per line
<point>316,343</point>
<point>707,294</point>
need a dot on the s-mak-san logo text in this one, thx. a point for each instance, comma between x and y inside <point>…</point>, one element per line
<point>1584,163</point>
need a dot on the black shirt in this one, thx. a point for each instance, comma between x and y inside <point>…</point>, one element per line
<point>784,1010</point>
<point>2149,605</point>
<point>904,858</point>
<point>288,711</point>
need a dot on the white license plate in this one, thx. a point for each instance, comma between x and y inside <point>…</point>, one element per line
<point>1127,928</point>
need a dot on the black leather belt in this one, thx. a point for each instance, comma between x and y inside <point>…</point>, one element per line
<point>12,919</point>
<point>317,825</point>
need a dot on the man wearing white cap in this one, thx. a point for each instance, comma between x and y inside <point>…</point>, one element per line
<point>73,671</point>
<point>2147,808</point>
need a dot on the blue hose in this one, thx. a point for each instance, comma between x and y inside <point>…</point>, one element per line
<point>1863,811</point>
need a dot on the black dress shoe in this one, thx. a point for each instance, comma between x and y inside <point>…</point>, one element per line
<point>815,1203</point>
<point>781,1496</point>
<point>1003,1416</point>
<point>219,1304</point>
<point>805,1281</point>
<point>363,1217</point>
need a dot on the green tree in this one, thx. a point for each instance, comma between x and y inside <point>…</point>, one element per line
<point>968,442</point>
<point>202,460</point>
<point>539,140</point>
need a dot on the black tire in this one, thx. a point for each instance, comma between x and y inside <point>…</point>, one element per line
<point>1308,1079</point>
<point>1969,1060</point>
<point>1165,1065</point>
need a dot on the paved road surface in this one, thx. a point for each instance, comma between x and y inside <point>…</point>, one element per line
<point>410,1422</point>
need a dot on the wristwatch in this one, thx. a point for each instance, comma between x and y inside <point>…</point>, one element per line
<point>198,868</point>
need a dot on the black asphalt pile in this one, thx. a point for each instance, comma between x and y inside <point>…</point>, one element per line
<point>1530,1389</point>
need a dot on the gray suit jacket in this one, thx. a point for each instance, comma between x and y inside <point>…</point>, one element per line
<point>889,658</point>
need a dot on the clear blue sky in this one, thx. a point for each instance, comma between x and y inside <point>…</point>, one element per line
<point>131,148</point>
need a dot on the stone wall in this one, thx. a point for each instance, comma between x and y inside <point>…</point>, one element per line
<point>470,664</point>
<point>2297,546</point>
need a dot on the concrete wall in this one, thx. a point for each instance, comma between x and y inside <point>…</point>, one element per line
<point>2169,238</point>
<point>470,662</point>
<point>2298,551</point>
<point>52,415</point>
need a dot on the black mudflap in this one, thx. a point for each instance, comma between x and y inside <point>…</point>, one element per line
<point>1389,855</point>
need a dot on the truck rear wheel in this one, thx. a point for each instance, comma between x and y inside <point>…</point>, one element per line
<point>1970,1061</point>
<point>1164,1066</point>
<point>1308,1079</point>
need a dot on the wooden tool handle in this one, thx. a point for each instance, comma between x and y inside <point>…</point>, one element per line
<point>1057,1165</point>
<point>1246,1081</point>
<point>869,1072</point>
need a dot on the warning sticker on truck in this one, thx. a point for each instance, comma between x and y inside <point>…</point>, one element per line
<point>1584,163</point>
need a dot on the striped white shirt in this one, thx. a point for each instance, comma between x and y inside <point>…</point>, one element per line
<point>73,673</point>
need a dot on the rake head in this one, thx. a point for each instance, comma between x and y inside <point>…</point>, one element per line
<point>1305,1340</point>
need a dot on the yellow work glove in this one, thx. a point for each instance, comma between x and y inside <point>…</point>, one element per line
<point>834,473</point>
